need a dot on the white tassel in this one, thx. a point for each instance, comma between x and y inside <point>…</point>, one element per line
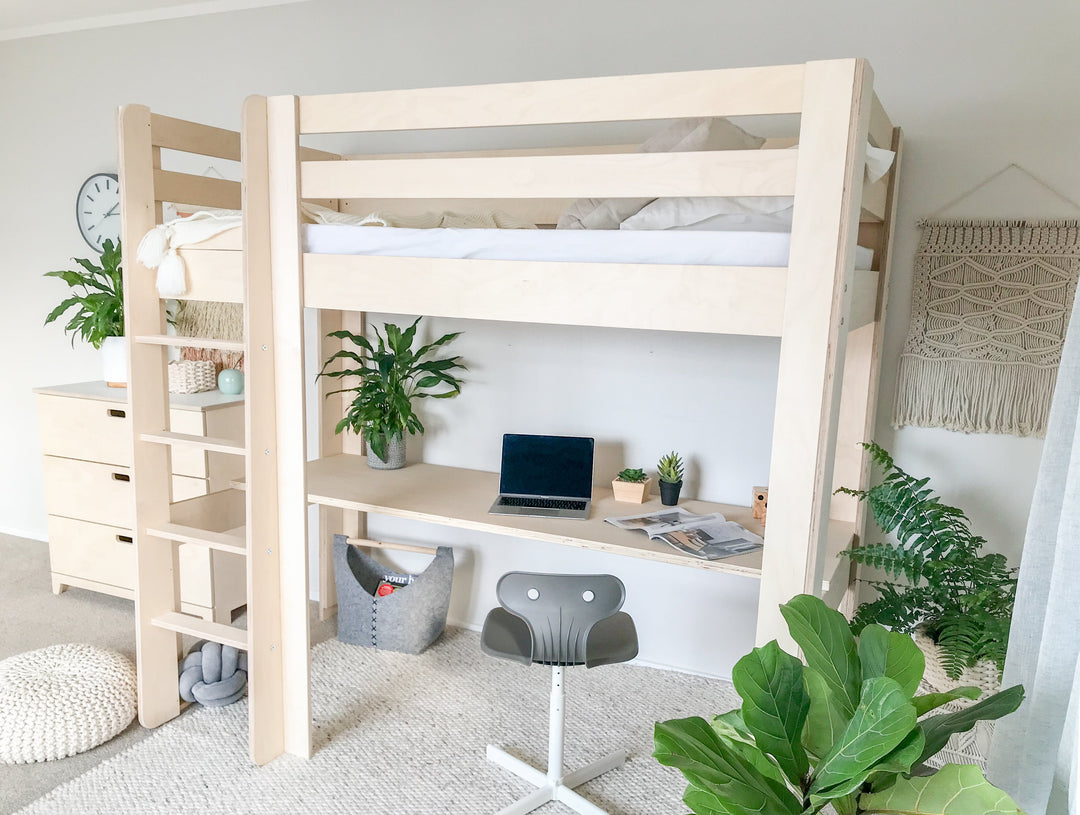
<point>153,246</point>
<point>171,281</point>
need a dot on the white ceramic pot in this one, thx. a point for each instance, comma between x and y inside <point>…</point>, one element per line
<point>114,362</point>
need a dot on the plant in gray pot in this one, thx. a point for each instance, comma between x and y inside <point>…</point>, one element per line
<point>391,376</point>
<point>670,470</point>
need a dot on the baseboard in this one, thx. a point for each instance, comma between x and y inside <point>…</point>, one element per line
<point>35,535</point>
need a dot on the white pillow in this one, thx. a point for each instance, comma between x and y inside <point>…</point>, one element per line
<point>685,135</point>
<point>748,213</point>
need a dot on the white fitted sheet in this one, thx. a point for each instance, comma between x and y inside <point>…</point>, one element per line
<point>574,245</point>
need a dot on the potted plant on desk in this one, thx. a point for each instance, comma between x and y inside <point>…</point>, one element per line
<point>391,376</point>
<point>98,300</point>
<point>631,486</point>
<point>670,470</point>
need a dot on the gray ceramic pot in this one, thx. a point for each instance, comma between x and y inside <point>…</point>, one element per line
<point>395,455</point>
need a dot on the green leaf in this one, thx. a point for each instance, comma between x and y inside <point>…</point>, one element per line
<point>883,719</point>
<point>732,784</point>
<point>829,714</point>
<point>955,789</point>
<point>732,731</point>
<point>903,757</point>
<point>774,706</point>
<point>930,701</point>
<point>827,644</point>
<point>938,729</point>
<point>889,653</point>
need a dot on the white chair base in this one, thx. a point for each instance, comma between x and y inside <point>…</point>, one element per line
<point>561,789</point>
<point>554,785</point>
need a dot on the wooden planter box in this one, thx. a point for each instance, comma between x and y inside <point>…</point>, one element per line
<point>631,492</point>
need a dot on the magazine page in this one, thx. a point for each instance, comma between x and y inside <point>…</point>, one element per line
<point>652,523</point>
<point>710,539</point>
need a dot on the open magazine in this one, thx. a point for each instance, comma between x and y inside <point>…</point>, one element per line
<point>710,537</point>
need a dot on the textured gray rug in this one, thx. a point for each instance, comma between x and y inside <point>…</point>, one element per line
<point>406,734</point>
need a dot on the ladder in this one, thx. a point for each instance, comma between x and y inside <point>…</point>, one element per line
<point>239,523</point>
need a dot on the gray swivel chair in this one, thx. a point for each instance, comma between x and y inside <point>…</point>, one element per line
<point>558,620</point>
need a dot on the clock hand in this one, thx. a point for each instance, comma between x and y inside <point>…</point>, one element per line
<point>107,214</point>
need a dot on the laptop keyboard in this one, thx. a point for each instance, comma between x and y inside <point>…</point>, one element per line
<point>540,503</point>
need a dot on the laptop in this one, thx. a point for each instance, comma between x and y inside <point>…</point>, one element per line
<point>545,477</point>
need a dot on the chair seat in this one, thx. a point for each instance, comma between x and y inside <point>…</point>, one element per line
<point>611,640</point>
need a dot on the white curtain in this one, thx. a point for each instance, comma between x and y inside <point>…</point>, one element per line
<point>1034,752</point>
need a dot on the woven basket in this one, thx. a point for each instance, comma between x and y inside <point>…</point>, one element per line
<point>187,376</point>
<point>972,747</point>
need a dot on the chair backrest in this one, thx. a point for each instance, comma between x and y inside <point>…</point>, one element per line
<point>560,609</point>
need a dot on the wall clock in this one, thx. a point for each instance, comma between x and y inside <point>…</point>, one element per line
<point>97,210</point>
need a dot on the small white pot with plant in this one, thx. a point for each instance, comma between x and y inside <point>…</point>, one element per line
<point>391,376</point>
<point>98,299</point>
<point>631,486</point>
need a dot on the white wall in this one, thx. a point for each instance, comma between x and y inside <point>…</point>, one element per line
<point>975,87</point>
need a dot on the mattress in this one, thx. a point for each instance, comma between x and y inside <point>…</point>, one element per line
<point>568,245</point>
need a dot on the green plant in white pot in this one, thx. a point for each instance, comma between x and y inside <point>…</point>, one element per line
<point>391,376</point>
<point>98,299</point>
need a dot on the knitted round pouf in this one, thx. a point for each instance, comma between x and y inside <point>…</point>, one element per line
<point>62,700</point>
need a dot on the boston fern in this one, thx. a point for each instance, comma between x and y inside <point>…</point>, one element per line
<point>963,599</point>
<point>845,729</point>
<point>98,298</point>
<point>391,376</point>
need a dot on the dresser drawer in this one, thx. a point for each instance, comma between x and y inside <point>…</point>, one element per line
<point>102,493</point>
<point>105,554</point>
<point>85,428</point>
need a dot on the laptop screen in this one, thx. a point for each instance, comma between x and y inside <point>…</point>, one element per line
<point>559,466</point>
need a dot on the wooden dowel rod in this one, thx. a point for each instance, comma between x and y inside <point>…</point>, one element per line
<point>403,547</point>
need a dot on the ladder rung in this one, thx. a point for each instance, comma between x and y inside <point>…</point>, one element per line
<point>210,443</point>
<point>233,541</point>
<point>203,629</point>
<point>191,342</point>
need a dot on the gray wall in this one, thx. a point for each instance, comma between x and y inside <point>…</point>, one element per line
<point>974,86</point>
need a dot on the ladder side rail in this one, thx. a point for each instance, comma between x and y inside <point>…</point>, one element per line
<point>265,698</point>
<point>157,569</point>
<point>828,193</point>
<point>288,359</point>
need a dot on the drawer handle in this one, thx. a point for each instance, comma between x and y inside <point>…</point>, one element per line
<point>121,477</point>
<point>125,539</point>
<point>116,413</point>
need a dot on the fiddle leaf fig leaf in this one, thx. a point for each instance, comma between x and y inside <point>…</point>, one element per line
<point>774,706</point>
<point>827,644</point>
<point>890,653</point>
<point>731,730</point>
<point>882,721</point>
<point>955,789</point>
<point>931,701</point>
<point>939,728</point>
<point>827,717</point>
<point>721,779</point>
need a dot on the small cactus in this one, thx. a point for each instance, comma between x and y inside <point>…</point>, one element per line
<point>631,476</point>
<point>670,468</point>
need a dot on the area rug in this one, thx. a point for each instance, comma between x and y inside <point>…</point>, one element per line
<point>990,306</point>
<point>405,734</point>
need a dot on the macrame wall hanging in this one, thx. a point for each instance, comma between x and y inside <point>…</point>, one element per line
<point>990,308</point>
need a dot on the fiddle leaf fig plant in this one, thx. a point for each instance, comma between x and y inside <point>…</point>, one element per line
<point>97,297</point>
<point>392,375</point>
<point>844,728</point>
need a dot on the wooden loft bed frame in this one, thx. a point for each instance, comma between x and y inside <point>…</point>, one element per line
<point>828,317</point>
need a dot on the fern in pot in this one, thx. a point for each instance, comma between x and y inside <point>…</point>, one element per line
<point>97,298</point>
<point>939,585</point>
<point>392,375</point>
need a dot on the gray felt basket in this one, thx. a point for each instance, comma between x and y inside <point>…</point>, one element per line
<point>408,620</point>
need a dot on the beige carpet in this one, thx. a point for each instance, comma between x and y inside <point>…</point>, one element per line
<point>405,734</point>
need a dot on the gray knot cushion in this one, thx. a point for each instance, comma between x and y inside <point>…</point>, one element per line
<point>213,675</point>
<point>409,619</point>
<point>62,700</point>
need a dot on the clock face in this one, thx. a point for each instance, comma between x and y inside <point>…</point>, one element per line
<point>97,210</point>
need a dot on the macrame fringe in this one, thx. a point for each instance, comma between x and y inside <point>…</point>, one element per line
<point>974,396</point>
<point>1019,223</point>
<point>223,321</point>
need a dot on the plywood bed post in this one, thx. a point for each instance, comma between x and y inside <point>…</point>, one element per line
<point>330,411</point>
<point>156,562</point>
<point>828,192</point>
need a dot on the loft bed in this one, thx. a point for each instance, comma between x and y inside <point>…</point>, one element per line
<point>828,315</point>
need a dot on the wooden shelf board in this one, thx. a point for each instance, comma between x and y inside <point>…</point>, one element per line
<point>202,629</point>
<point>452,496</point>
<point>234,541</point>
<point>209,443</point>
<point>191,342</point>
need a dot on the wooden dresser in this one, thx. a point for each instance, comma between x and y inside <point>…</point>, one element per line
<point>86,439</point>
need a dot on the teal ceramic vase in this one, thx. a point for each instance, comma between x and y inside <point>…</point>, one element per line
<point>230,381</point>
